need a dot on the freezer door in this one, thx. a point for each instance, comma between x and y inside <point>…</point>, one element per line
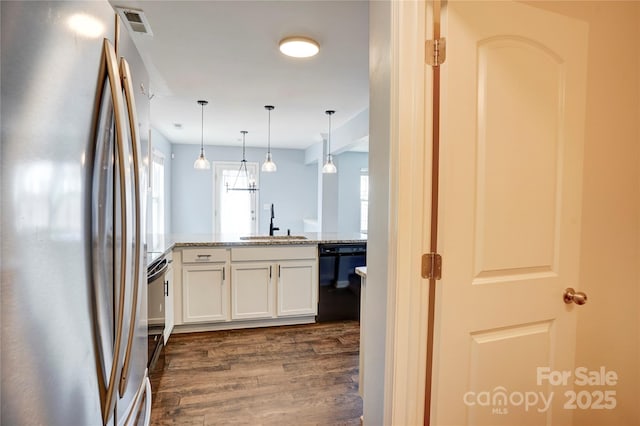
<point>118,244</point>
<point>135,213</point>
<point>140,414</point>
<point>111,231</point>
<point>49,84</point>
<point>134,346</point>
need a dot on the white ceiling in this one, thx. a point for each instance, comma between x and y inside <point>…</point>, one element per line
<point>226,52</point>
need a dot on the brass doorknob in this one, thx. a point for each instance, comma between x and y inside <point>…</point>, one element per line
<point>577,297</point>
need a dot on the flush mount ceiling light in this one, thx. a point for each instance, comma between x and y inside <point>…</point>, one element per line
<point>269,165</point>
<point>299,47</point>
<point>202,163</point>
<point>329,167</point>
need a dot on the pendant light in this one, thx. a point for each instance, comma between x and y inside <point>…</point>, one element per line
<point>329,167</point>
<point>251,182</point>
<point>269,165</point>
<point>202,163</point>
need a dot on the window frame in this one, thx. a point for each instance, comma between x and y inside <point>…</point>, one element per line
<point>157,236</point>
<point>364,202</point>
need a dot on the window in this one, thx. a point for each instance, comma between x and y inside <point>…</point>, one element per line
<point>364,200</point>
<point>157,230</point>
<point>234,211</point>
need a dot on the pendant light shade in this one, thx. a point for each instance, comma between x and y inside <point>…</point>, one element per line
<point>269,165</point>
<point>201,162</point>
<point>329,167</point>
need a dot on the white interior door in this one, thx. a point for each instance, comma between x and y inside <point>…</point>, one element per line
<point>512,122</point>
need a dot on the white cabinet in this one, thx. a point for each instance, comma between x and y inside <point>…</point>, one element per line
<point>168,300</point>
<point>239,286</point>
<point>297,287</point>
<point>205,285</point>
<point>362,271</point>
<point>274,281</point>
<point>252,290</point>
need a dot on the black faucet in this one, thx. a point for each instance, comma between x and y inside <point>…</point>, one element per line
<point>271,227</point>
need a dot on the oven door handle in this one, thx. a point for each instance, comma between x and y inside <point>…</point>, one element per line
<point>156,272</point>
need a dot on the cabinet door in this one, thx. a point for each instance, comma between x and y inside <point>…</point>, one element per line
<point>168,304</point>
<point>297,288</point>
<point>205,293</point>
<point>252,294</point>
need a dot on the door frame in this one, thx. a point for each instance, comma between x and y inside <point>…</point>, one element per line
<point>409,213</point>
<point>405,354</point>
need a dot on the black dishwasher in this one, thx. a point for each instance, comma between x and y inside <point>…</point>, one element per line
<point>339,292</point>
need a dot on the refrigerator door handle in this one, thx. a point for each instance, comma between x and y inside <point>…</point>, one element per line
<point>143,396</point>
<point>111,62</point>
<point>127,86</point>
<point>148,397</point>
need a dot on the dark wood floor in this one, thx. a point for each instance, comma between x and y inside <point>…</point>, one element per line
<point>294,375</point>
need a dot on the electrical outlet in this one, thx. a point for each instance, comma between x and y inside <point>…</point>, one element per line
<point>266,207</point>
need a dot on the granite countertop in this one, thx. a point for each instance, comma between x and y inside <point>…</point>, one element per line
<point>362,271</point>
<point>257,240</point>
<point>226,240</point>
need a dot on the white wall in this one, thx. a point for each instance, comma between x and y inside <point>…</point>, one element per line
<point>351,133</point>
<point>378,238</point>
<point>191,192</point>
<point>350,164</point>
<point>161,144</point>
<point>292,188</point>
<point>328,200</point>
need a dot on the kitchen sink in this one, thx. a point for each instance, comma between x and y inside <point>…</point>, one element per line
<point>274,237</point>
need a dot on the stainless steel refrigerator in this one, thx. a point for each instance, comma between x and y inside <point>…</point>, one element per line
<point>74,124</point>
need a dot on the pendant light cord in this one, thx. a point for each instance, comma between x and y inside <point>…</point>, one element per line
<point>269,133</point>
<point>329,167</point>
<point>202,132</point>
<point>244,132</point>
<point>269,108</point>
<point>329,147</point>
<point>201,162</point>
<point>329,113</point>
<point>269,165</point>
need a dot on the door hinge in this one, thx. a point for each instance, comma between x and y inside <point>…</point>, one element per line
<point>435,52</point>
<point>432,266</point>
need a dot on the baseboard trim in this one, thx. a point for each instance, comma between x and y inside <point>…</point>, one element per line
<point>193,328</point>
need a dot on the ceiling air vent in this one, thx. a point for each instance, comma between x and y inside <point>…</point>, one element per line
<point>136,19</point>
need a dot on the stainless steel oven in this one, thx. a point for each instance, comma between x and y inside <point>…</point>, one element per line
<point>157,290</point>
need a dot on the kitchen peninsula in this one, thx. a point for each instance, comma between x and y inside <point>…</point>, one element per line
<point>229,281</point>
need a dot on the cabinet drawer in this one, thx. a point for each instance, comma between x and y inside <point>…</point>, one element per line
<point>273,253</point>
<point>204,255</point>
